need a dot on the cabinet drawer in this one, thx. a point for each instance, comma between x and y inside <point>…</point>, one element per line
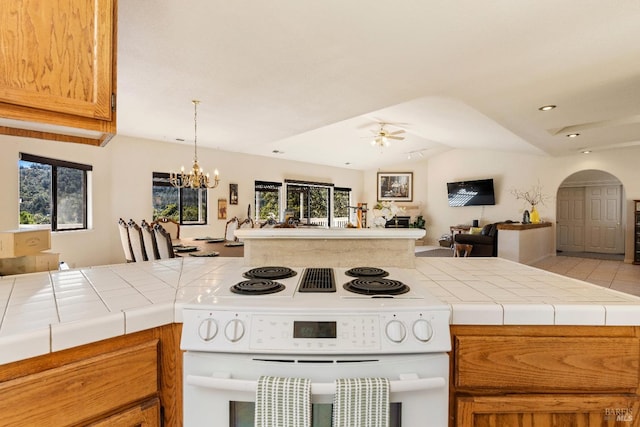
<point>547,364</point>
<point>82,390</point>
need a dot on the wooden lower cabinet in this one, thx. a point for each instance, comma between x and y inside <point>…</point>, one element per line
<point>544,376</point>
<point>547,411</point>
<point>146,414</point>
<point>131,380</point>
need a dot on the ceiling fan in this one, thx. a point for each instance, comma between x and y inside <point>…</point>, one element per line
<point>382,137</point>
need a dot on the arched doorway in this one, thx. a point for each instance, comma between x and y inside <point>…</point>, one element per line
<point>590,213</point>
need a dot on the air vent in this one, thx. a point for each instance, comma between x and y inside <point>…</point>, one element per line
<point>318,280</point>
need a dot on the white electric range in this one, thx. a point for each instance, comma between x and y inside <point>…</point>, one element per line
<point>320,323</point>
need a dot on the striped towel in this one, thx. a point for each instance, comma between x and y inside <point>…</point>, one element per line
<point>283,402</point>
<point>361,402</point>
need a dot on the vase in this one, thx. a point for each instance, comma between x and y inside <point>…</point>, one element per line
<point>535,216</point>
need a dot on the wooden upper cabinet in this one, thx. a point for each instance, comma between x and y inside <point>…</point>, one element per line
<point>58,68</point>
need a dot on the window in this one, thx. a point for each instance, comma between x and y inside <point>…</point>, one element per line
<point>53,192</point>
<point>267,200</point>
<point>341,203</point>
<point>187,206</point>
<point>308,202</point>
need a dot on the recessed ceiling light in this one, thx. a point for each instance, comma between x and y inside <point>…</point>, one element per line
<point>585,151</point>
<point>573,135</point>
<point>277,152</point>
<point>547,107</point>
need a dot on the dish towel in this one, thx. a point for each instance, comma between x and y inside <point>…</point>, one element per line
<point>361,402</point>
<point>283,402</point>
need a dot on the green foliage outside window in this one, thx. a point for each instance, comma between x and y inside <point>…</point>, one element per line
<point>53,192</point>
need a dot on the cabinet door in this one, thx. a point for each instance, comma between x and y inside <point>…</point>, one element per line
<point>547,411</point>
<point>57,56</point>
<point>82,390</point>
<point>146,414</point>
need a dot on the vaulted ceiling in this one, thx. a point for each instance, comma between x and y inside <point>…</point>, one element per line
<point>309,81</point>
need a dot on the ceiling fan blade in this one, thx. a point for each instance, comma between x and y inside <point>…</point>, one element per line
<point>397,132</point>
<point>398,138</point>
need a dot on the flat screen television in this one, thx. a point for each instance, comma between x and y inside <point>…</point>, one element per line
<point>471,193</point>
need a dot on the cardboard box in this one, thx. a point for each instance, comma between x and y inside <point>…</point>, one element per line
<point>44,261</point>
<point>17,243</point>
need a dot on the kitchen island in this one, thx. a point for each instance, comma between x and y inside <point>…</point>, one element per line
<point>338,247</point>
<point>525,342</point>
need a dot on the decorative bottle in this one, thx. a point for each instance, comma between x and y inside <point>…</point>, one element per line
<point>535,216</point>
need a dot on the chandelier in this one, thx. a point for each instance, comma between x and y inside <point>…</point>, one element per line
<point>196,178</point>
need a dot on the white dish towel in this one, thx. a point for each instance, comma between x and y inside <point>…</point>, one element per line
<point>283,402</point>
<point>361,402</point>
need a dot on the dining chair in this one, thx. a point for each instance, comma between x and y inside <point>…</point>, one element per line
<point>137,242</point>
<point>124,239</point>
<point>232,225</point>
<point>170,226</point>
<point>163,240</point>
<point>149,239</point>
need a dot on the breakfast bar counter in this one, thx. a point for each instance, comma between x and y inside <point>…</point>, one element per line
<point>340,247</point>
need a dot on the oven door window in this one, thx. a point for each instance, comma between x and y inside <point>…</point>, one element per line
<point>241,414</point>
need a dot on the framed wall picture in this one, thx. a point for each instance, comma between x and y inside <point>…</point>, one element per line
<point>222,208</point>
<point>395,186</point>
<point>233,194</point>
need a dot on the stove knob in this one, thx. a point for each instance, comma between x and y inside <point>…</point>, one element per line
<point>234,330</point>
<point>422,330</point>
<point>208,329</point>
<point>396,331</point>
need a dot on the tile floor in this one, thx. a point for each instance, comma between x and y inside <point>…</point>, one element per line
<point>610,274</point>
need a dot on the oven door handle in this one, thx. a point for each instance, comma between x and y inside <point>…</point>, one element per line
<point>317,389</point>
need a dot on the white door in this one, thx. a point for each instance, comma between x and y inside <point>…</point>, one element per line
<point>589,219</point>
<point>603,228</point>
<point>570,219</point>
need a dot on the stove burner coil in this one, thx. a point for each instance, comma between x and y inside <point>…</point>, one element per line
<point>269,272</point>
<point>376,286</point>
<point>257,287</point>
<point>366,272</point>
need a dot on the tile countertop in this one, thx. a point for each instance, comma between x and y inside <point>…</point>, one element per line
<point>45,312</point>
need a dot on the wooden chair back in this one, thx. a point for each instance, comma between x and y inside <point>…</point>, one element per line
<point>170,226</point>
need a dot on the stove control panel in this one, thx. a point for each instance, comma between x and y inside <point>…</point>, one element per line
<point>353,333</point>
